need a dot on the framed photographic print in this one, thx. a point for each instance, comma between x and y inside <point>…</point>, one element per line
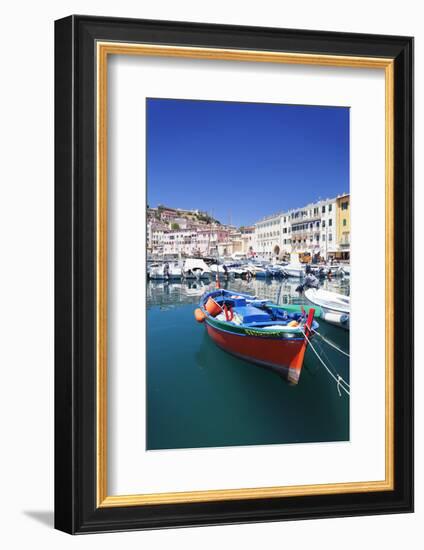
<point>234,310</point>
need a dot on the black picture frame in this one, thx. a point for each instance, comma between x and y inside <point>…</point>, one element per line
<point>76,510</point>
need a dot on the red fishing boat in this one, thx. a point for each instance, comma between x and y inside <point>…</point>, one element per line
<point>258,331</point>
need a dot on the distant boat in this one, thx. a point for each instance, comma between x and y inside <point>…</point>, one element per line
<point>165,271</point>
<point>277,270</point>
<point>258,271</point>
<point>294,268</point>
<point>221,269</point>
<point>237,271</point>
<point>196,268</point>
<point>258,331</point>
<point>335,307</point>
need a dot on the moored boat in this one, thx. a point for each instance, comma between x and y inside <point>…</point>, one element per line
<point>165,271</point>
<point>196,268</point>
<point>258,331</point>
<point>335,307</point>
<point>294,268</point>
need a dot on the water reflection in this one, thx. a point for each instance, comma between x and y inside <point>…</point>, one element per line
<point>278,291</point>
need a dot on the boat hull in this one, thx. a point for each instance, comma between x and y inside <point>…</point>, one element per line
<point>337,318</point>
<point>332,312</point>
<point>293,272</point>
<point>282,355</point>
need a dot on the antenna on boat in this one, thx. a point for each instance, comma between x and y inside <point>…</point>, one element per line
<point>217,282</point>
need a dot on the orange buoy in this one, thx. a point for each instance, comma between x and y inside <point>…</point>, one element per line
<point>212,307</point>
<point>199,315</point>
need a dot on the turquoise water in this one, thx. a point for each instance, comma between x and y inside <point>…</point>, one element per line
<point>200,396</point>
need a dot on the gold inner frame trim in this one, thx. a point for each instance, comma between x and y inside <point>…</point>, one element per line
<point>104,49</point>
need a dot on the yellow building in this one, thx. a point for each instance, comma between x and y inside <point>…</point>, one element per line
<point>343,227</point>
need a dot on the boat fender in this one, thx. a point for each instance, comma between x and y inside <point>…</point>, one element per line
<point>293,324</point>
<point>228,313</point>
<point>199,315</point>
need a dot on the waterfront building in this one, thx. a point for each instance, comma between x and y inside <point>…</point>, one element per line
<point>310,230</point>
<point>182,242</point>
<point>319,230</point>
<point>155,236</point>
<point>313,229</point>
<point>208,238</point>
<point>286,246</point>
<point>343,227</point>
<point>232,245</point>
<point>268,236</point>
<point>248,242</point>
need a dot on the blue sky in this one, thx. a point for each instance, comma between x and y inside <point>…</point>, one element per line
<point>243,161</point>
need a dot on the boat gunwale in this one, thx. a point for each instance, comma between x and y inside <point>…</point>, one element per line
<point>334,307</point>
<point>263,332</point>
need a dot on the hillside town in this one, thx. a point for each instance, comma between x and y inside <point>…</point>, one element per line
<point>320,230</point>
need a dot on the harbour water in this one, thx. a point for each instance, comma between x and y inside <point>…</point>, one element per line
<point>200,396</point>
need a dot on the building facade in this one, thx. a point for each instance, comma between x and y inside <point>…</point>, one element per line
<point>318,229</point>
<point>343,227</point>
<point>268,236</point>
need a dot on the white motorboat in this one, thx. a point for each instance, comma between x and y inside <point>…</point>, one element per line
<point>165,271</point>
<point>216,268</point>
<point>237,271</point>
<point>257,270</point>
<point>294,268</point>
<point>335,307</point>
<point>196,268</point>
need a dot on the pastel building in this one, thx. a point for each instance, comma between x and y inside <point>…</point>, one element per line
<point>343,227</point>
<point>313,229</point>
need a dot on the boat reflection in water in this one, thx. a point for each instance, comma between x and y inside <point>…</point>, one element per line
<point>278,291</point>
<point>173,293</point>
<point>200,396</point>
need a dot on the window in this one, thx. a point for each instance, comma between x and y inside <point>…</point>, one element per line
<point>317,237</point>
<point>345,205</point>
<point>330,221</point>
<point>344,223</point>
<point>330,237</point>
<point>285,230</point>
<point>323,209</point>
<point>330,207</point>
<point>323,223</point>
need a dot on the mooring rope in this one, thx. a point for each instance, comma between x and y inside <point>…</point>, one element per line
<point>338,379</point>
<point>330,343</point>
